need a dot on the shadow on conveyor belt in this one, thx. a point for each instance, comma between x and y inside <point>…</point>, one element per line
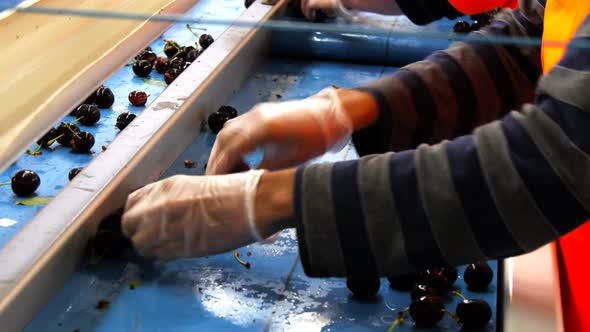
<point>360,48</point>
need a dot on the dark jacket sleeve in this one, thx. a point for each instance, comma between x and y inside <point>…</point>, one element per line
<point>426,11</point>
<point>511,186</point>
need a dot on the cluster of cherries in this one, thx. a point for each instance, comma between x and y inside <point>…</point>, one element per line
<point>177,58</point>
<point>87,114</point>
<point>479,21</point>
<point>428,290</point>
<point>25,182</point>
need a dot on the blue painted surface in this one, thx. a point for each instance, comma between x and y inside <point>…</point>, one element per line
<point>54,164</point>
<point>218,294</point>
<point>10,2</point>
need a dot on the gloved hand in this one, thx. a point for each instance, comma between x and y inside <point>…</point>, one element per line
<point>193,216</point>
<point>289,132</point>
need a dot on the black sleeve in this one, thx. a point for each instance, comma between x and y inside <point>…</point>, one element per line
<point>426,11</point>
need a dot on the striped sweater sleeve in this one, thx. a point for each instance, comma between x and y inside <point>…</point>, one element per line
<point>510,187</point>
<point>453,91</point>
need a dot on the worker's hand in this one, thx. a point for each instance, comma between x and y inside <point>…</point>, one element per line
<point>290,133</point>
<point>311,8</point>
<point>193,216</point>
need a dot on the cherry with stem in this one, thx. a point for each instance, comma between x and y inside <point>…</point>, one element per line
<point>242,262</point>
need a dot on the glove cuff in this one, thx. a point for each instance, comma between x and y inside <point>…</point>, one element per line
<point>251,187</point>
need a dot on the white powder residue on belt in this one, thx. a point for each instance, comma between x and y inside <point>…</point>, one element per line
<point>4,222</point>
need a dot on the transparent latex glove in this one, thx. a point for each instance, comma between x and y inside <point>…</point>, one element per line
<point>289,133</point>
<point>193,216</point>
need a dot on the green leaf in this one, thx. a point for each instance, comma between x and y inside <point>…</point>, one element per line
<point>154,82</point>
<point>35,201</point>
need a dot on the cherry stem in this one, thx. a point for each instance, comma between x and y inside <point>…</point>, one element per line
<point>397,323</point>
<point>4,183</point>
<point>70,129</point>
<point>75,121</point>
<point>55,139</point>
<point>243,263</point>
<point>172,42</point>
<point>191,30</point>
<point>453,316</point>
<point>457,293</point>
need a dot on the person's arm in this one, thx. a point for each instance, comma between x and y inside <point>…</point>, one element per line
<point>512,186</point>
<point>453,91</point>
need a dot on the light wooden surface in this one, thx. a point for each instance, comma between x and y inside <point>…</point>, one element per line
<point>49,63</point>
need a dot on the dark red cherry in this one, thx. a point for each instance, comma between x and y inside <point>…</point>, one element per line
<point>161,65</point>
<point>73,172</point>
<point>478,276</point>
<point>138,98</point>
<point>88,114</point>
<point>82,142</point>
<point>104,97</point>
<point>474,314</point>
<point>25,182</point>
<point>142,68</point>
<point>205,41</point>
<point>124,119</point>
<point>229,111</point>
<point>427,311</point>
<point>216,121</point>
<point>65,131</point>
<point>171,75</point>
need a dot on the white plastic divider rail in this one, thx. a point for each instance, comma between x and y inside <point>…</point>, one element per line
<point>42,256</point>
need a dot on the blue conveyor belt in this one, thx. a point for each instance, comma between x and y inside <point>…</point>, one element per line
<point>218,294</point>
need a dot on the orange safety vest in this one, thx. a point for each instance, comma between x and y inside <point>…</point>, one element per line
<point>470,7</point>
<point>562,20</point>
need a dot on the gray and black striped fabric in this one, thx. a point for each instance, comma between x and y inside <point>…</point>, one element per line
<point>492,183</point>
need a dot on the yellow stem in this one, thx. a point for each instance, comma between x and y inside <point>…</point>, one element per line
<point>243,263</point>
<point>457,293</point>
